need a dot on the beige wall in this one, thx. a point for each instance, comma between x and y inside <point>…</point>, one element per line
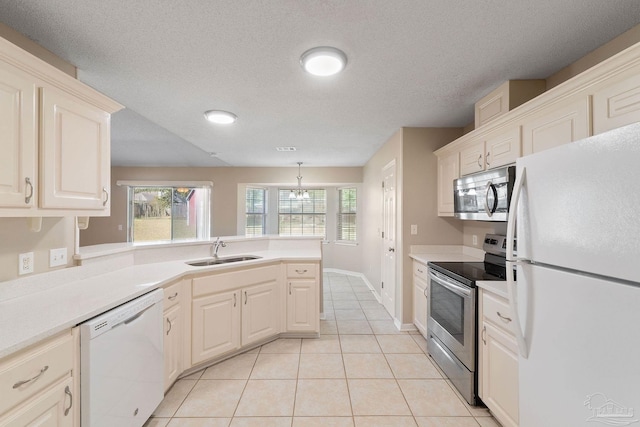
<point>15,238</point>
<point>416,166</point>
<point>419,201</point>
<point>224,196</point>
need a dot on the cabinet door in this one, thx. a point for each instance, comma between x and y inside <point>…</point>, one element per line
<point>302,306</point>
<point>448,170</point>
<point>556,126</point>
<point>260,312</point>
<point>472,158</point>
<point>420,305</point>
<point>173,344</point>
<point>500,374</point>
<point>51,408</point>
<point>617,104</point>
<point>503,148</point>
<point>215,325</point>
<point>17,139</point>
<point>74,153</point>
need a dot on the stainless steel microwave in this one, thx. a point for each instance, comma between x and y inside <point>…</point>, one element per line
<point>484,196</point>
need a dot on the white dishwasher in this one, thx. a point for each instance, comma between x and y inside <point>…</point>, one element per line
<point>121,364</point>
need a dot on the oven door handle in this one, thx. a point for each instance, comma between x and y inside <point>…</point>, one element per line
<point>449,284</point>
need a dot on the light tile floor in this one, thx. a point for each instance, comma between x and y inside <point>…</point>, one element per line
<point>361,372</point>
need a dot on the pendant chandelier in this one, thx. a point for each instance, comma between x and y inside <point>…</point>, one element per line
<point>299,193</point>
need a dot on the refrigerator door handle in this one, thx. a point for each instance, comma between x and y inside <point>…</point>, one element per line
<point>511,284</point>
<point>513,305</point>
<point>513,212</point>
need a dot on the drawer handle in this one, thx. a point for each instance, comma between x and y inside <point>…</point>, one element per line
<point>234,298</point>
<point>289,288</point>
<point>245,297</point>
<point>27,199</point>
<point>484,334</point>
<point>479,158</point>
<point>420,271</point>
<point>106,199</point>
<point>172,297</point>
<point>486,158</point>
<point>170,325</point>
<point>301,271</point>
<point>67,391</point>
<point>508,319</point>
<point>23,382</point>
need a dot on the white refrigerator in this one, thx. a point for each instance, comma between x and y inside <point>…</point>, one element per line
<point>576,299</point>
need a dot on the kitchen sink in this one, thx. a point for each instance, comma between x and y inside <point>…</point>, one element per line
<point>227,260</point>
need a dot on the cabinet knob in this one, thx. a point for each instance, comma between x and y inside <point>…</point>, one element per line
<point>479,158</point>
<point>486,158</point>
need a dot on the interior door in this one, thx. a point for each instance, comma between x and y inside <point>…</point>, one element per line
<point>389,238</point>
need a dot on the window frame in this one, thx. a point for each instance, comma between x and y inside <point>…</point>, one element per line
<point>263,213</point>
<point>203,227</point>
<point>340,213</point>
<point>323,214</point>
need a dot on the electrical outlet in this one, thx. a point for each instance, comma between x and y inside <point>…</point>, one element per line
<point>57,257</point>
<point>414,229</point>
<point>25,263</point>
<point>475,240</point>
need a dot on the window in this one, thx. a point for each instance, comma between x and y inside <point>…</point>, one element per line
<point>255,211</point>
<point>160,213</point>
<point>347,214</point>
<point>302,217</point>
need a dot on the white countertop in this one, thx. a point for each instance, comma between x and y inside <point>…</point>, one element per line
<point>30,316</point>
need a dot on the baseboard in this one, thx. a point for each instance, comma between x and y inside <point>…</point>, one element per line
<point>404,327</point>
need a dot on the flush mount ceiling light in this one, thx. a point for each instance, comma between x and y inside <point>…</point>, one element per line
<point>299,193</point>
<point>220,117</point>
<point>323,61</point>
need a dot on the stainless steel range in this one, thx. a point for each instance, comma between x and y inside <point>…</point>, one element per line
<point>452,319</point>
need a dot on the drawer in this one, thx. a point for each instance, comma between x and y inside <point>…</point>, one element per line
<point>496,310</point>
<point>215,283</point>
<point>420,270</point>
<point>301,270</point>
<point>30,371</point>
<point>172,295</point>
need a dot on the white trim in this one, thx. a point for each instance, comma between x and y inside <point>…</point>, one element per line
<point>121,183</point>
<point>404,327</point>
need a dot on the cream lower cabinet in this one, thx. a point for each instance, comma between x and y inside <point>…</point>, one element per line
<point>234,309</point>
<point>40,386</point>
<point>176,345</point>
<point>498,359</point>
<point>420,302</point>
<point>303,299</point>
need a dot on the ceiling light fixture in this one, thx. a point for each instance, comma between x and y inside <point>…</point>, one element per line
<point>220,117</point>
<point>323,61</point>
<point>299,193</point>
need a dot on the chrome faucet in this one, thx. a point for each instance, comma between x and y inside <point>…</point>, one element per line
<point>216,246</point>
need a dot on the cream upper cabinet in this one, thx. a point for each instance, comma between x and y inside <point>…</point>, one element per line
<point>448,170</point>
<point>618,103</point>
<point>472,158</point>
<point>556,125</point>
<point>55,140</point>
<point>498,359</point>
<point>503,147</point>
<point>74,153</point>
<point>420,281</point>
<point>18,139</point>
<point>303,299</point>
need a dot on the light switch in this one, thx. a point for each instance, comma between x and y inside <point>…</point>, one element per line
<point>414,229</point>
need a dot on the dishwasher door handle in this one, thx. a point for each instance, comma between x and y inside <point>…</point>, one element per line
<point>132,318</point>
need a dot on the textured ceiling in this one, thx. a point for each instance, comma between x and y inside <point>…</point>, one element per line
<point>411,63</point>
